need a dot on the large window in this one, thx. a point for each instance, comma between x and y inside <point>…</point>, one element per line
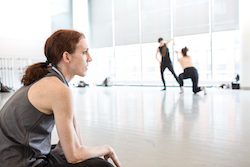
<point>191,17</point>
<point>124,37</point>
<point>126,21</point>
<point>225,51</point>
<point>101,23</point>
<point>155,20</point>
<point>225,39</point>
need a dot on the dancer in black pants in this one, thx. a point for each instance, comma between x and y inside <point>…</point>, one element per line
<point>165,61</point>
<point>189,71</point>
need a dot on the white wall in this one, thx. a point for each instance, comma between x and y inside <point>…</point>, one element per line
<point>244,21</point>
<point>25,25</point>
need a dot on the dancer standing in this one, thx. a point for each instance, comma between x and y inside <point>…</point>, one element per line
<point>189,71</point>
<point>165,60</point>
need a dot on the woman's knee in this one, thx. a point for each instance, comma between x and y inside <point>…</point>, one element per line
<point>98,162</point>
<point>181,75</point>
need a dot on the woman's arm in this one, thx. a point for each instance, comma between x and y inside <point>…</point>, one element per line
<point>77,129</point>
<point>178,58</point>
<point>170,41</point>
<point>157,56</point>
<point>68,132</point>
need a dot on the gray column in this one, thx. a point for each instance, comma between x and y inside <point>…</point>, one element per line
<point>244,21</point>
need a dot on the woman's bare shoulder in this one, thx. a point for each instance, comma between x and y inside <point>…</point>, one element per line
<point>49,84</point>
<point>47,91</point>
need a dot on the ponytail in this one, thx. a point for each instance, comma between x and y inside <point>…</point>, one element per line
<point>184,51</point>
<point>34,72</point>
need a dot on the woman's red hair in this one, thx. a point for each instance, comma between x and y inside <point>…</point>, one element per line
<point>59,42</point>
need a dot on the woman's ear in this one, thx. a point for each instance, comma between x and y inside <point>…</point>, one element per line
<point>66,57</point>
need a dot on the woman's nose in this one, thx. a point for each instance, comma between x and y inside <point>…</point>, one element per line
<point>89,58</point>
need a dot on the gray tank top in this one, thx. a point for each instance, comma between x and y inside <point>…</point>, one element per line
<point>25,132</point>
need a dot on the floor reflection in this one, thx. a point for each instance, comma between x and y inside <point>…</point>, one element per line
<point>148,127</point>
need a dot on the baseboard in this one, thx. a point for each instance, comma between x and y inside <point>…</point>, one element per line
<point>245,88</point>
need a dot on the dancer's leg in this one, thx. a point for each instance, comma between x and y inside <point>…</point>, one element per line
<point>162,76</point>
<point>171,69</point>
<point>181,77</point>
<point>195,79</point>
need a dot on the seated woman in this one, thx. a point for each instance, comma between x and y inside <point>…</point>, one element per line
<point>28,117</point>
<point>189,71</point>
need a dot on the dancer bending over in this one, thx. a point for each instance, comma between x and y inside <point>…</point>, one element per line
<point>189,71</point>
<point>28,117</point>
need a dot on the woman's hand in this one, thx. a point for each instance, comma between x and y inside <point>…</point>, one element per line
<point>160,63</point>
<point>113,156</point>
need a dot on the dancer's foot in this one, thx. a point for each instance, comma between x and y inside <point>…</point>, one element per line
<point>182,90</point>
<point>203,88</point>
<point>164,89</point>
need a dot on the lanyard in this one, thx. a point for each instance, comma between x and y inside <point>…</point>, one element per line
<point>58,72</point>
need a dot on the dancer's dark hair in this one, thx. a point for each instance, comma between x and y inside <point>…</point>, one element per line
<point>159,40</point>
<point>184,51</point>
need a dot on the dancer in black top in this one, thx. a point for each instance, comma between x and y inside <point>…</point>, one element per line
<point>165,61</point>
